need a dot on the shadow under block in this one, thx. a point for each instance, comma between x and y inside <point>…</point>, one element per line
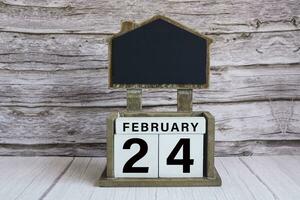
<point>210,174</point>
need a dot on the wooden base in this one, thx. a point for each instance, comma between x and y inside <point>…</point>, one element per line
<point>104,181</point>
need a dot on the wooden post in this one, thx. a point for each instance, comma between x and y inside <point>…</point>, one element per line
<point>134,96</point>
<point>185,100</point>
<point>134,99</point>
<point>127,26</point>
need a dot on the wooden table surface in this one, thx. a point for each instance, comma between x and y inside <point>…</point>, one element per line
<point>273,177</point>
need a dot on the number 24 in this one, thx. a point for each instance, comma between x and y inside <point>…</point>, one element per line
<point>183,143</point>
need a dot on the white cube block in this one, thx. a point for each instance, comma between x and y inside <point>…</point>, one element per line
<point>160,125</point>
<point>173,163</point>
<point>136,156</point>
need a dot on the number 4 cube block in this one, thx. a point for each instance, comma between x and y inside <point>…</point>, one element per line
<point>181,155</point>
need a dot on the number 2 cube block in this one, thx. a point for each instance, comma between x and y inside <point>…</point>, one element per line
<point>136,155</point>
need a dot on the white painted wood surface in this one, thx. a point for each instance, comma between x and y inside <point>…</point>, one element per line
<point>29,177</point>
<point>259,178</point>
<point>53,73</point>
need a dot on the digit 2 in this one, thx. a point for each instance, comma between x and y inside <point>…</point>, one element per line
<point>128,167</point>
<point>186,162</point>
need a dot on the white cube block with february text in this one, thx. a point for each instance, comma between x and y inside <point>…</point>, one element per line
<point>160,125</point>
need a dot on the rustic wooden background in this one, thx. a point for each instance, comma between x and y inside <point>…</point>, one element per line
<point>54,96</point>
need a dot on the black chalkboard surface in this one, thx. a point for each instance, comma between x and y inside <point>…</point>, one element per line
<point>159,54</point>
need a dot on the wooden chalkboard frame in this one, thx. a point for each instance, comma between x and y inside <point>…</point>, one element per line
<point>174,86</point>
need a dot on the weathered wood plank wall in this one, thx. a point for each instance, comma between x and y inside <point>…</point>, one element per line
<point>53,73</point>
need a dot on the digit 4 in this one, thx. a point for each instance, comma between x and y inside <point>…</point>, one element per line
<point>186,162</point>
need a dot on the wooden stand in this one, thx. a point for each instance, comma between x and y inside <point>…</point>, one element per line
<point>184,107</point>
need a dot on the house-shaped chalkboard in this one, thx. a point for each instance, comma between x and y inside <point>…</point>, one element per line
<point>159,53</point>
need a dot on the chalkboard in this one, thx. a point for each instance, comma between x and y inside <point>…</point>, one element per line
<point>159,54</point>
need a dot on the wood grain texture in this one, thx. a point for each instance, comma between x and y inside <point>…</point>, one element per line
<point>271,174</point>
<point>54,52</point>
<point>274,120</point>
<point>28,178</point>
<point>61,149</point>
<point>78,16</point>
<point>223,148</point>
<point>89,87</point>
<point>241,180</point>
<point>237,121</point>
<point>257,147</point>
<point>79,180</point>
<point>250,178</point>
<point>53,73</point>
